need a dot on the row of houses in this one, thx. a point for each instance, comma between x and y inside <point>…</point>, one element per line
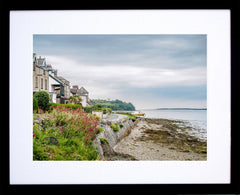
<point>45,78</point>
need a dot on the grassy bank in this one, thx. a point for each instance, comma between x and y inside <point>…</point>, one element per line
<point>131,116</point>
<point>65,134</point>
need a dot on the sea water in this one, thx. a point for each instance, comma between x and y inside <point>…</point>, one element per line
<point>196,119</point>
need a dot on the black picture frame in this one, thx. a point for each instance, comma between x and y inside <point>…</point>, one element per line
<point>232,188</point>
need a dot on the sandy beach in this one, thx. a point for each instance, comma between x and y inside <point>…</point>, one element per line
<point>161,139</point>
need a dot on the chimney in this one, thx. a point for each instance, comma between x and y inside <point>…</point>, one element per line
<point>39,57</point>
<point>75,86</point>
<point>55,73</point>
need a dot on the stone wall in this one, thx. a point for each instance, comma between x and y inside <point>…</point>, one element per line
<point>113,137</point>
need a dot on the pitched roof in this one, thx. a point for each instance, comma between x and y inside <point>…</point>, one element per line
<point>83,90</point>
<point>56,79</point>
<point>73,91</point>
<point>65,81</point>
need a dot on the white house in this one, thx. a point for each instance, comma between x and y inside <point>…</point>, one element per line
<point>55,87</point>
<point>83,93</point>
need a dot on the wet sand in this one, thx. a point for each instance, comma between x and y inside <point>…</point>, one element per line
<point>161,139</point>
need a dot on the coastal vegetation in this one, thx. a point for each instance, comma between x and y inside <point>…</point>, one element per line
<point>65,134</point>
<point>69,132</point>
<point>113,104</point>
<point>114,127</point>
<point>131,116</point>
<point>97,108</point>
<point>103,140</point>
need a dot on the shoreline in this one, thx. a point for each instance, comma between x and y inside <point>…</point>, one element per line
<point>160,139</point>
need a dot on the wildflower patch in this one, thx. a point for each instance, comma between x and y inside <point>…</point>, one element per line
<point>65,134</point>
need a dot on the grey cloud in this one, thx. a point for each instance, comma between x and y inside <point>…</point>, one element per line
<point>176,51</point>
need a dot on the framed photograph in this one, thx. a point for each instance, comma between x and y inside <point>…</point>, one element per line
<point>120,97</point>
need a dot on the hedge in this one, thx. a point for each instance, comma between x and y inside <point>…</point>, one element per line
<point>73,106</point>
<point>88,109</point>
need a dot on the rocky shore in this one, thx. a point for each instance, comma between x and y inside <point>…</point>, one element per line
<point>158,139</point>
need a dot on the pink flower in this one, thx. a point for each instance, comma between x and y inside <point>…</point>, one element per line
<point>34,134</point>
<point>61,129</point>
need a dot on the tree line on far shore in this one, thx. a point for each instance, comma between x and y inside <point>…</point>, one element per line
<point>113,104</point>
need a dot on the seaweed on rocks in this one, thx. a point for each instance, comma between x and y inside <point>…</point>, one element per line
<point>173,133</point>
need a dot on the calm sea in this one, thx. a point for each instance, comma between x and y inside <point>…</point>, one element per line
<point>197,119</point>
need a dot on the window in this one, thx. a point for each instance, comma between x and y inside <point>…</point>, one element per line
<point>36,82</point>
<point>46,84</point>
<point>41,83</point>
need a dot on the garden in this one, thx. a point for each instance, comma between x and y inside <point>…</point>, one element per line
<point>63,132</point>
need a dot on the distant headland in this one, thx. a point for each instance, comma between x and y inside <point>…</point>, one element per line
<point>181,109</point>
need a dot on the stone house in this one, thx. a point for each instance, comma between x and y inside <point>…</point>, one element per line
<point>40,76</point>
<point>45,78</point>
<point>59,88</point>
<point>82,92</point>
<point>66,89</point>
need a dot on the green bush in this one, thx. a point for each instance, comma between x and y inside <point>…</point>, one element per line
<point>98,106</point>
<point>35,103</point>
<point>106,110</point>
<point>43,99</point>
<point>88,109</point>
<point>114,127</point>
<point>134,119</point>
<point>72,106</point>
<point>100,130</point>
<point>103,140</point>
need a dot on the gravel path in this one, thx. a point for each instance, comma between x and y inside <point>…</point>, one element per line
<point>116,117</point>
<point>138,144</point>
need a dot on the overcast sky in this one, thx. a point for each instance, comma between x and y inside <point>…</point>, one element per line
<point>150,71</point>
